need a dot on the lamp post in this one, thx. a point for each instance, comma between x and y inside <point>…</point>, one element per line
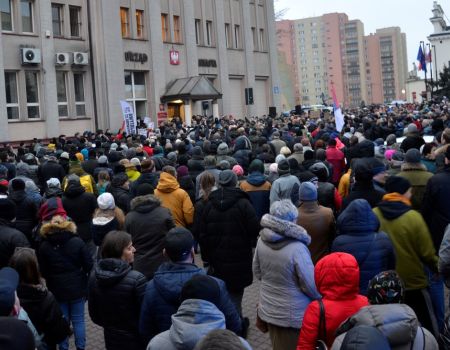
<point>404,94</point>
<point>431,67</point>
<point>422,43</point>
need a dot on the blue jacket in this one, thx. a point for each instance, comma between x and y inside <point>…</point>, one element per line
<point>162,296</point>
<point>358,235</point>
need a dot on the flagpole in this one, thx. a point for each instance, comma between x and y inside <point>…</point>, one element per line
<point>435,62</point>
<point>429,55</point>
<point>422,43</point>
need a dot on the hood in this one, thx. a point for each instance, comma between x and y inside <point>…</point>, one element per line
<point>358,218</point>
<point>225,197</point>
<point>170,278</point>
<point>256,178</point>
<point>397,322</point>
<point>145,204</point>
<point>364,149</point>
<point>276,229</point>
<point>242,142</point>
<point>18,196</point>
<point>109,272</point>
<point>365,337</point>
<point>32,294</point>
<point>102,220</point>
<point>337,276</point>
<point>194,319</point>
<point>222,149</point>
<point>22,169</point>
<point>74,189</point>
<point>167,183</point>
<point>53,192</point>
<point>58,225</point>
<point>393,210</point>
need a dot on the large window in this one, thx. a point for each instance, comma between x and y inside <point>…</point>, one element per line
<point>6,17</point>
<point>262,40</point>
<point>164,27</point>
<point>136,93</point>
<point>32,89</point>
<point>176,29</point>
<point>209,33</point>
<point>75,21</point>
<point>228,39</point>
<point>12,96</point>
<point>198,26</point>
<point>237,36</point>
<point>57,20</point>
<point>125,22</point>
<point>80,102</point>
<point>139,24</point>
<point>255,39</point>
<point>26,13</point>
<point>61,85</point>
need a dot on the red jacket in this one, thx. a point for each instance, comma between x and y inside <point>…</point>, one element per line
<point>336,158</point>
<point>337,279</point>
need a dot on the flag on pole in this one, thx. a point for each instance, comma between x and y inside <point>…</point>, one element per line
<point>428,57</point>
<point>422,59</point>
<point>338,116</point>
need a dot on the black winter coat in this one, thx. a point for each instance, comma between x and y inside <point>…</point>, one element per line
<point>89,166</point>
<point>26,212</point>
<point>228,232</point>
<point>65,261</point>
<point>10,239</point>
<point>148,224</point>
<point>80,207</point>
<point>325,195</point>
<point>145,178</point>
<point>115,298</point>
<point>48,170</point>
<point>45,313</point>
<point>363,190</point>
<point>122,197</point>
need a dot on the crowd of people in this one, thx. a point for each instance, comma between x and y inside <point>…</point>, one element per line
<point>347,233</point>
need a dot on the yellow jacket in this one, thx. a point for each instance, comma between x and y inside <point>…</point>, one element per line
<point>175,199</point>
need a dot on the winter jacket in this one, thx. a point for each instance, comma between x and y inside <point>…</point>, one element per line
<point>175,199</point>
<point>80,207</point>
<point>101,226</point>
<point>194,319</point>
<point>228,231</point>
<point>412,141</point>
<point>277,145</point>
<point>26,212</point>
<point>148,223</point>
<point>285,187</point>
<point>362,338</point>
<point>44,312</point>
<point>326,196</point>
<point>242,152</point>
<point>132,174</point>
<point>196,165</point>
<point>115,298</point>
<point>222,154</point>
<point>89,166</point>
<point>162,299</point>
<point>444,257</point>
<point>436,205</point>
<point>64,260</point>
<point>122,196</point>
<point>418,177</point>
<point>363,190</point>
<point>298,156</point>
<point>337,280</point>
<point>147,178</point>
<point>258,189</point>
<point>10,239</point>
<point>358,235</point>
<point>411,240</point>
<point>319,222</point>
<point>283,264</point>
<point>337,159</point>
<point>50,169</point>
<point>187,184</point>
<point>397,322</point>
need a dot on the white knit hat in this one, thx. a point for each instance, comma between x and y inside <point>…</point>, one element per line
<point>106,201</point>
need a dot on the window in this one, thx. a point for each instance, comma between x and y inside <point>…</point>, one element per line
<point>164,27</point>
<point>177,29</point>
<point>61,79</point>
<point>198,25</point>
<point>237,36</point>
<point>227,35</point>
<point>124,22</point>
<point>32,89</point>
<point>209,33</point>
<point>6,17</point>
<point>255,39</point>
<point>26,12</point>
<point>80,103</point>
<point>136,93</point>
<point>75,21</point>
<point>262,40</point>
<point>12,96</point>
<point>57,20</point>
<point>139,24</point>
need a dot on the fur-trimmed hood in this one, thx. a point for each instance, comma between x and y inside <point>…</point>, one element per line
<point>413,166</point>
<point>276,230</point>
<point>145,203</point>
<point>58,224</point>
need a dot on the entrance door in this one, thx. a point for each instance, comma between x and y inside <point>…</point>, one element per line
<point>175,110</point>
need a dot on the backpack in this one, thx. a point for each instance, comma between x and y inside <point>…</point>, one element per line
<point>86,182</point>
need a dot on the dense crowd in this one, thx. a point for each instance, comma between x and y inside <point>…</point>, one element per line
<point>348,233</point>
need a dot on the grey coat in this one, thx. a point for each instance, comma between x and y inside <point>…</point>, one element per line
<point>444,256</point>
<point>282,263</point>
<point>283,187</point>
<point>397,322</point>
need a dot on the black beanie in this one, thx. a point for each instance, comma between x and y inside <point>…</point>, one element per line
<point>7,209</point>
<point>397,184</point>
<point>201,287</point>
<point>144,189</point>
<point>284,167</point>
<point>18,185</point>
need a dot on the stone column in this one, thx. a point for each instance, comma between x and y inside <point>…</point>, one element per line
<point>215,108</point>
<point>249,55</point>
<point>4,134</point>
<point>187,112</point>
<point>189,39</point>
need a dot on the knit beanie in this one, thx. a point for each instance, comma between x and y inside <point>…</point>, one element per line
<point>256,165</point>
<point>102,160</point>
<point>201,287</point>
<point>397,184</point>
<point>53,183</point>
<point>106,201</point>
<point>182,171</point>
<point>412,156</point>
<point>227,178</point>
<point>308,192</point>
<point>237,169</point>
<point>283,167</point>
<point>386,288</point>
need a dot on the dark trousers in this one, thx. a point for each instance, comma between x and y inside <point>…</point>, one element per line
<point>419,300</point>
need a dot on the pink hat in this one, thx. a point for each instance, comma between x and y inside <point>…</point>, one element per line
<point>237,169</point>
<point>389,153</point>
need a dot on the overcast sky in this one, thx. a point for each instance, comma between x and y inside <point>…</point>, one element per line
<point>412,16</point>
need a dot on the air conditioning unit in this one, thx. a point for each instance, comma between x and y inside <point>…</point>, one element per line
<point>62,58</point>
<point>30,56</point>
<point>80,58</point>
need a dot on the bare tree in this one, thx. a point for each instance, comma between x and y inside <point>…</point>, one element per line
<point>280,13</point>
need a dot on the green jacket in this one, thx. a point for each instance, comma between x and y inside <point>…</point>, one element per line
<point>418,176</point>
<point>411,240</point>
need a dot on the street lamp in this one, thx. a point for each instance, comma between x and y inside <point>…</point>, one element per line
<point>404,94</point>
